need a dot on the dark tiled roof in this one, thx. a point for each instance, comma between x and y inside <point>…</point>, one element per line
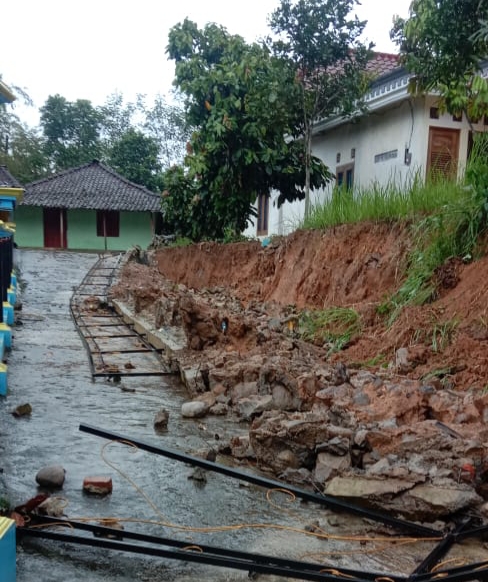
<point>6,179</point>
<point>93,186</point>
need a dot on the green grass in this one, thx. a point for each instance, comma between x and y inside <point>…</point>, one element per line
<point>382,203</point>
<point>334,327</point>
<point>446,218</point>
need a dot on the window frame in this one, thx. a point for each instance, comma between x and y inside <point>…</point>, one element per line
<point>345,171</point>
<point>108,223</point>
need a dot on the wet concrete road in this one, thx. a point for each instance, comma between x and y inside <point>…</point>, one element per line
<point>48,368</point>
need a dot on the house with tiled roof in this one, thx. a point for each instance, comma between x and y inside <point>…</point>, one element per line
<point>7,180</point>
<point>400,137</point>
<point>90,207</point>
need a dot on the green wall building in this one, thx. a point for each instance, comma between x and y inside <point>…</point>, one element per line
<point>87,208</point>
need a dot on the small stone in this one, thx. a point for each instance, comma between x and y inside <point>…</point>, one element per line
<point>484,509</point>
<point>313,527</point>
<point>161,419</point>
<point>19,519</point>
<point>22,410</point>
<point>51,477</point>
<point>97,485</point>
<point>198,474</point>
<point>113,524</point>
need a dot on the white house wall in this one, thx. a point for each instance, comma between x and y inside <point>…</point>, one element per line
<point>402,126</point>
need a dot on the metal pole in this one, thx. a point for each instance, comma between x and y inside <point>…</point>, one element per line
<point>268,483</point>
<point>272,561</point>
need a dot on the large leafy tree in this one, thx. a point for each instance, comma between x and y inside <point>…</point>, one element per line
<point>320,41</point>
<point>242,103</point>
<point>135,156</point>
<point>71,131</point>
<point>443,42</point>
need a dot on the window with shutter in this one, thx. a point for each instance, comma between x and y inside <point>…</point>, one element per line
<point>443,153</point>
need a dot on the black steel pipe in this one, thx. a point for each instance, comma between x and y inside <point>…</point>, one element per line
<point>187,556</point>
<point>107,532</point>
<point>476,567</point>
<point>439,551</point>
<point>268,483</point>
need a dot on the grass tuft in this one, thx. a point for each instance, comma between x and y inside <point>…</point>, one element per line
<point>334,327</point>
<point>447,219</point>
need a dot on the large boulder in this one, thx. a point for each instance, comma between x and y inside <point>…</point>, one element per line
<point>51,477</point>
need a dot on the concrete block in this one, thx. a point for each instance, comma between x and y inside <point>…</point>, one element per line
<point>11,295</point>
<point>3,379</point>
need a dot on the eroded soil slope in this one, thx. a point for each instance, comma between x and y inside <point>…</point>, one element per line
<point>397,416</point>
<point>358,267</point>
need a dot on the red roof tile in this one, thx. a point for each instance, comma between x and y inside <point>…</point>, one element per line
<point>383,63</point>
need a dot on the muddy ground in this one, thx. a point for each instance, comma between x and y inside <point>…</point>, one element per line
<point>417,387</point>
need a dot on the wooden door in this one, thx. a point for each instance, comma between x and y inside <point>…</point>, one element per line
<point>55,228</point>
<point>443,154</point>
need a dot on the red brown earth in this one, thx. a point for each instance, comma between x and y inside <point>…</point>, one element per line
<point>349,266</point>
<point>430,366</point>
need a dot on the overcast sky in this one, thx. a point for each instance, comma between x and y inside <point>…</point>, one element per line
<point>92,48</point>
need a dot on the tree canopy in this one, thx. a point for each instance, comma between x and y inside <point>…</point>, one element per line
<point>320,42</point>
<point>20,145</point>
<point>71,131</point>
<point>443,44</point>
<point>137,139</point>
<point>135,156</point>
<point>243,103</point>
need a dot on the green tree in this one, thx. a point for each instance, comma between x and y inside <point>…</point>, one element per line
<point>135,156</point>
<point>242,103</point>
<point>71,131</point>
<point>442,44</point>
<point>21,147</point>
<point>23,153</point>
<point>162,121</point>
<point>320,42</point>
<point>117,117</point>
<point>165,123</point>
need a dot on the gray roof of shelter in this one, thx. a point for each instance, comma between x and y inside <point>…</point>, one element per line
<point>92,186</point>
<point>6,179</point>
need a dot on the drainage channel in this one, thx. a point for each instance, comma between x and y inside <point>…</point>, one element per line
<point>115,348</point>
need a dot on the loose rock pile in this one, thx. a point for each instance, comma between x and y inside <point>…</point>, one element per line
<point>412,447</point>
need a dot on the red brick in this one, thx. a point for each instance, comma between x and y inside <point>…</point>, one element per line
<point>97,485</point>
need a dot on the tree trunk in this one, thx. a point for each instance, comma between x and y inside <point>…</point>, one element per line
<point>308,157</point>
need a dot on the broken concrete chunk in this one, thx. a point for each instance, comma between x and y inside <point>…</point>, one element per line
<point>194,409</point>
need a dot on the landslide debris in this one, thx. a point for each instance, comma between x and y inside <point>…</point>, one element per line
<point>393,415</point>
